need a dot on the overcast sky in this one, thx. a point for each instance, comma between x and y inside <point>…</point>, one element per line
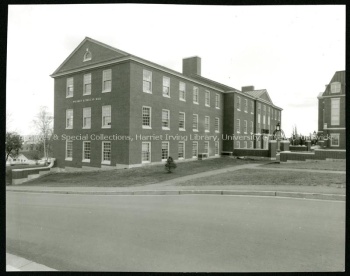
<point>292,51</point>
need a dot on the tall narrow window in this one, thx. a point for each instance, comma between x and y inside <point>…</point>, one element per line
<point>182,91</point>
<point>251,145</point>
<point>335,87</point>
<point>245,105</point>
<point>181,121</point>
<point>87,117</point>
<point>259,108</point>
<point>207,98</point>
<point>86,151</point>
<point>165,119</point>
<point>194,149</point>
<point>251,107</point>
<point>195,95</point>
<point>146,152</point>
<point>69,150</point>
<point>237,145</point>
<point>206,147</point>
<point>245,126</point>
<point>335,111</point>
<point>217,100</point>
<point>87,84</point>
<point>238,126</point>
<point>207,123</point>
<point>165,150</point>
<point>195,122</point>
<point>268,120</point>
<point>264,120</point>
<point>147,81</point>
<point>238,103</point>
<point>146,117</point>
<point>70,88</point>
<point>275,114</point>
<point>107,80</point>
<point>217,124</point>
<point>245,144</point>
<point>181,150</point>
<point>216,148</point>
<point>258,126</point>
<point>69,118</point>
<point>106,152</point>
<point>251,126</point>
<point>106,116</point>
<point>166,87</point>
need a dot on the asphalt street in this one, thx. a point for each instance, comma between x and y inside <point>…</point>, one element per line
<point>176,233</point>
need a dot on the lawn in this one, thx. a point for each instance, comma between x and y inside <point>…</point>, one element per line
<point>338,165</point>
<point>133,177</point>
<point>267,177</point>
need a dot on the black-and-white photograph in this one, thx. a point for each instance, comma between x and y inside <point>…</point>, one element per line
<point>175,138</point>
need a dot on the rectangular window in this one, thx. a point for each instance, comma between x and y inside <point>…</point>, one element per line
<point>165,119</point>
<point>237,145</point>
<point>181,150</point>
<point>87,117</point>
<point>264,109</point>
<point>206,147</point>
<point>87,84</point>
<point>251,107</point>
<point>146,117</point>
<point>181,121</point>
<point>106,116</point>
<point>182,91</point>
<point>251,126</point>
<point>258,142</point>
<point>245,144</point>
<point>147,81</point>
<point>195,122</point>
<point>275,114</point>
<point>207,123</point>
<point>146,152</point>
<point>264,120</point>
<point>207,98</point>
<point>166,87</point>
<point>335,111</point>
<point>245,105</point>
<point>195,94</point>
<point>216,148</point>
<point>69,150</point>
<point>238,126</point>
<point>86,151</point>
<point>335,87</point>
<point>258,126</point>
<point>217,100</point>
<point>239,103</point>
<point>165,150</point>
<point>106,152</point>
<point>259,108</point>
<point>217,124</point>
<point>107,80</point>
<point>70,88</point>
<point>268,120</point>
<point>279,116</point>
<point>69,118</point>
<point>335,139</point>
<point>251,145</point>
<point>245,127</point>
<point>194,149</point>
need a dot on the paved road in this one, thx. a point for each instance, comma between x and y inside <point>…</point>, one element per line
<point>176,233</point>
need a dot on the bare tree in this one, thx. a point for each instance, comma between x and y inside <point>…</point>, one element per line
<point>43,124</point>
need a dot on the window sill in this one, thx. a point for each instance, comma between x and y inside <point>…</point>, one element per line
<point>166,96</point>
<point>69,97</point>
<point>107,126</point>
<point>195,130</point>
<point>183,100</point>
<point>238,109</point>
<point>181,158</point>
<point>216,131</point>
<point>106,91</point>
<point>195,103</point>
<point>147,92</point>
<point>86,127</point>
<point>146,162</point>
<point>68,159</point>
<point>182,129</point>
<point>87,94</point>
<point>217,107</point>
<point>165,128</point>
<point>146,127</point>
<point>69,127</point>
<point>207,105</point>
<point>207,131</point>
<point>86,160</point>
<point>105,162</point>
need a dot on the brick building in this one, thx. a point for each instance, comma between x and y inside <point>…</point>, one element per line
<point>331,112</point>
<point>113,109</point>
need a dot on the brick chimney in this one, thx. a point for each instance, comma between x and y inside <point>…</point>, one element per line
<point>247,88</point>
<point>191,66</point>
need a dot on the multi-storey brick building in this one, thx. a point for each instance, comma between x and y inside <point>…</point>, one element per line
<point>114,109</point>
<point>331,112</point>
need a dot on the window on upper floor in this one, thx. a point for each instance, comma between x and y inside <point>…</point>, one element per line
<point>182,91</point>
<point>195,94</point>
<point>107,80</point>
<point>252,107</point>
<point>69,118</point>
<point>146,117</point>
<point>217,124</point>
<point>106,116</point>
<point>238,125</point>
<point>335,111</point>
<point>245,105</point>
<point>165,119</point>
<point>87,84</point>
<point>217,100</point>
<point>87,117</point>
<point>238,103</point>
<point>259,108</point>
<point>195,122</point>
<point>207,98</point>
<point>147,81</point>
<point>182,126</point>
<point>166,87</point>
<point>206,124</point>
<point>69,88</point>
<point>245,127</point>
<point>335,87</point>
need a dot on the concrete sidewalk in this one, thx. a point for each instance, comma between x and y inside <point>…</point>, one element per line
<point>16,263</point>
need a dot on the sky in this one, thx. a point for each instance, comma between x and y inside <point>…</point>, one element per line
<point>291,51</point>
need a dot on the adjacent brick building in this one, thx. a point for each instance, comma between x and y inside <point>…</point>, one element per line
<point>113,109</point>
<point>331,112</point>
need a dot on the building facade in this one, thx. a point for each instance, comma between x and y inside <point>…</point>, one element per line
<point>331,112</point>
<point>113,109</point>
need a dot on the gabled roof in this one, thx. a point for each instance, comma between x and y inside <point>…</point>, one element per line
<point>261,94</point>
<point>214,83</point>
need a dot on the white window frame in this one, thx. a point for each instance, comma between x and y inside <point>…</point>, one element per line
<point>238,106</point>
<point>70,84</point>
<point>217,101</point>
<point>150,117</point>
<point>178,150</point>
<point>207,98</point>
<point>66,155</point>
<point>182,91</point>
<point>251,144</point>
<point>195,144</point>
<point>206,124</point>
<point>166,95</point>
<point>251,127</point>
<point>68,126</point>
<point>245,105</point>
<point>106,162</point>
<point>87,55</point>
<point>86,110</point>
<point>245,144</point>
<point>259,108</point>
<point>238,145</point>
<point>195,95</point>
<point>238,126</point>
<point>252,107</point>
<point>105,74</point>
<point>195,122</point>
<point>217,148</point>
<point>87,160</point>
<point>217,124</point>
<point>206,145</point>
<point>149,151</point>
<point>87,81</point>
<point>335,135</point>
<point>147,78</point>
<point>184,121</point>
<point>168,119</point>
<point>335,111</point>
<point>104,107</point>
<point>245,127</point>
<point>335,87</point>
<point>163,143</point>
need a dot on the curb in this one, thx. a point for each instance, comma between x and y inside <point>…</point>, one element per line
<point>199,192</point>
